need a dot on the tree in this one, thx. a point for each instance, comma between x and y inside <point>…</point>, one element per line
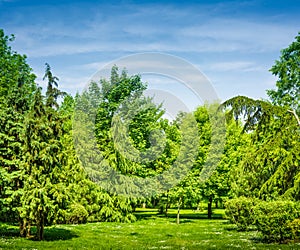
<point>79,190</point>
<point>15,72</point>
<point>208,179</point>
<point>42,159</point>
<point>41,179</point>
<point>52,93</point>
<point>16,87</point>
<point>287,69</point>
<point>128,130</point>
<point>270,167</point>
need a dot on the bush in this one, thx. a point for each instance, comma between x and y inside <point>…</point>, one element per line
<point>239,211</point>
<point>77,214</point>
<point>295,228</point>
<point>276,220</point>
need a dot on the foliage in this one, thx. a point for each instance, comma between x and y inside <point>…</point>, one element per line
<point>269,168</point>
<point>287,70</point>
<point>239,211</point>
<point>15,71</point>
<point>273,219</point>
<point>77,214</point>
<point>42,162</point>
<point>121,100</point>
<point>295,228</point>
<point>40,175</point>
<point>42,181</point>
<point>16,92</point>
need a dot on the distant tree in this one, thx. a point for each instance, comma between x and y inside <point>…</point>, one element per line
<point>52,93</point>
<point>208,178</point>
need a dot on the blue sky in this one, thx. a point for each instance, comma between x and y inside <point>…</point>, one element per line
<point>234,43</point>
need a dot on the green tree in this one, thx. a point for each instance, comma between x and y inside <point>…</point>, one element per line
<point>269,168</point>
<point>52,93</point>
<point>131,133</point>
<point>42,161</point>
<point>79,189</point>
<point>16,87</point>
<point>208,179</point>
<point>287,69</point>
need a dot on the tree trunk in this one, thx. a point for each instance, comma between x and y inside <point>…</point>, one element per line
<point>40,227</point>
<point>209,207</point>
<point>221,204</point>
<point>28,231</point>
<point>167,204</point>
<point>216,203</point>
<point>22,227</point>
<point>178,211</point>
<point>38,230</point>
<point>42,230</point>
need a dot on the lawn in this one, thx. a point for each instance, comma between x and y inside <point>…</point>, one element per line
<point>149,232</point>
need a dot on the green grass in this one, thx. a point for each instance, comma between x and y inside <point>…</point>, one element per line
<point>149,232</point>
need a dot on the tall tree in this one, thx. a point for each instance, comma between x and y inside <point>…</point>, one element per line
<point>79,190</point>
<point>127,129</point>
<point>16,87</point>
<point>42,159</point>
<point>270,168</point>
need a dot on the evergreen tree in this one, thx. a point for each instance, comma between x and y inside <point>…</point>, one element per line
<point>269,169</point>
<point>16,87</point>
<point>42,160</point>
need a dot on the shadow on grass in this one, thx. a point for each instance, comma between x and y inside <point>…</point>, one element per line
<point>53,234</point>
<point>196,216</point>
<point>144,215</point>
<point>50,234</point>
<point>232,227</point>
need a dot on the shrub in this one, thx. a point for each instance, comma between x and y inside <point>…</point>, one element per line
<point>275,219</point>
<point>239,211</point>
<point>77,214</point>
<point>295,228</point>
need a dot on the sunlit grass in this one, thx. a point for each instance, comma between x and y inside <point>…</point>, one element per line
<point>149,232</point>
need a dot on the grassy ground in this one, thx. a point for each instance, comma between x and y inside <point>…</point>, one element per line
<point>149,232</point>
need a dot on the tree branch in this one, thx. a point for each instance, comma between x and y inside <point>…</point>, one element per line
<point>296,116</point>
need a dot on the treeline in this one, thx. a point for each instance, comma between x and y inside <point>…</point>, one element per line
<point>254,152</point>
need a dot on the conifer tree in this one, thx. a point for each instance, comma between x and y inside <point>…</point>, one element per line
<point>16,87</point>
<point>43,160</point>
